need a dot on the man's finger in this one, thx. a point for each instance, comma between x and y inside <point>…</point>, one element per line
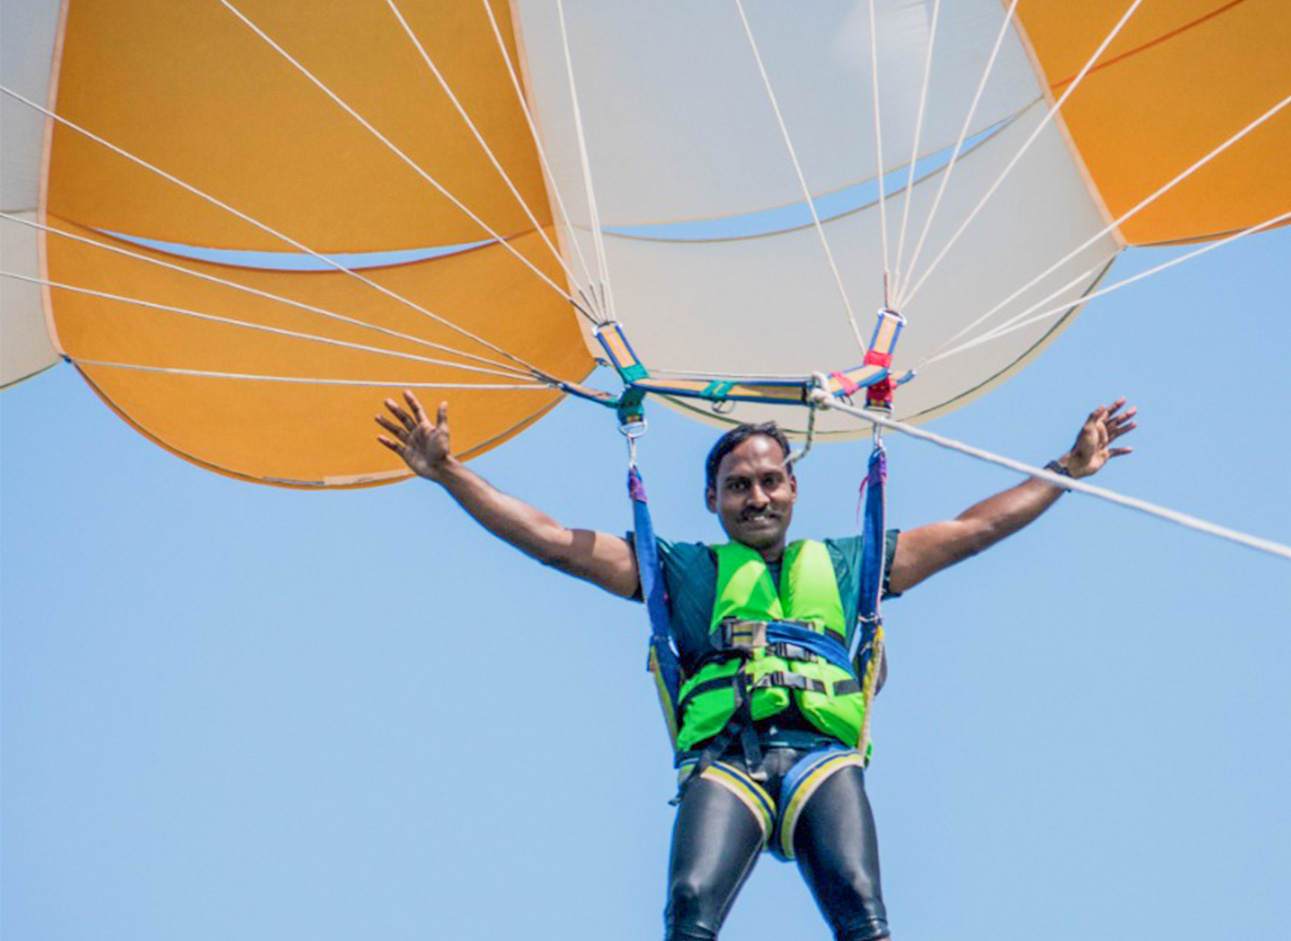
<point>403,416</point>
<point>397,430</point>
<point>392,445</point>
<point>441,417</point>
<point>418,412</point>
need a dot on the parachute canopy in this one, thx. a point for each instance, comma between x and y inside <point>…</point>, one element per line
<point>264,216</point>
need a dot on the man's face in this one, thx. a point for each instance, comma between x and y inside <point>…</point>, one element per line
<point>755,495</point>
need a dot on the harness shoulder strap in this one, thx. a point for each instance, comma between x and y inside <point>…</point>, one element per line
<point>663,663</point>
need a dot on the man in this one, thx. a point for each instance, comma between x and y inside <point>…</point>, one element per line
<point>769,723</point>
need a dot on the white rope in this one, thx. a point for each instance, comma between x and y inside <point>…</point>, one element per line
<point>1083,278</point>
<point>229,321</point>
<point>1125,216</point>
<point>914,150</point>
<point>1026,145</point>
<point>598,237</point>
<point>959,144</point>
<point>1021,321</point>
<point>395,149</point>
<point>302,380</point>
<point>878,147</point>
<point>538,145</point>
<point>443,83</point>
<point>331,262</point>
<point>825,400</point>
<point>802,180</point>
<point>499,368</point>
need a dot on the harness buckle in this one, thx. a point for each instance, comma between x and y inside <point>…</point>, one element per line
<point>742,635</point>
<point>787,651</point>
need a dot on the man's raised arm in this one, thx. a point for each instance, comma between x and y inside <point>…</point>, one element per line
<point>604,560</point>
<point>929,549</point>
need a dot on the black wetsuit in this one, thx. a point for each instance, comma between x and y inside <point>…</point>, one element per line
<point>716,841</point>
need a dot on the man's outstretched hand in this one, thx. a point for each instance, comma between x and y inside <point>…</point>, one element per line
<point>423,445</point>
<point>1093,445</point>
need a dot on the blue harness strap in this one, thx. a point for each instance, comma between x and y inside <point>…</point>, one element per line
<point>874,553</point>
<point>867,650</point>
<point>664,664</point>
<point>822,645</point>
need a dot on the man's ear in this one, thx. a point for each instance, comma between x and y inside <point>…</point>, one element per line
<point>710,499</point>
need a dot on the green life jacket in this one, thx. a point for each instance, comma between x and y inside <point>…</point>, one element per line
<point>767,676</point>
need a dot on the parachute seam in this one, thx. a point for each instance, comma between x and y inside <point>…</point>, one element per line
<point>1164,37</point>
<point>502,368</point>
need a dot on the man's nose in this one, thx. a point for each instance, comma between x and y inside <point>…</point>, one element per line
<point>758,496</point>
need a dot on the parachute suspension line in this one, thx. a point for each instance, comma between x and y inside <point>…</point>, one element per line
<point>501,369</point>
<point>914,150</point>
<point>1080,279</point>
<point>802,180</point>
<point>302,380</point>
<point>1182,519</point>
<point>598,237</point>
<point>1021,320</point>
<point>542,155</point>
<point>443,83</point>
<point>878,149</point>
<point>959,146</point>
<point>264,328</point>
<point>330,262</point>
<point>1143,204</point>
<point>395,149</point>
<point>1026,145</point>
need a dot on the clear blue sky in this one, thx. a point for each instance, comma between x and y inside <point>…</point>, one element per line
<point>233,711</point>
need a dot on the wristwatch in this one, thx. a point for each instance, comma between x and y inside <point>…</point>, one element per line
<point>1055,468</point>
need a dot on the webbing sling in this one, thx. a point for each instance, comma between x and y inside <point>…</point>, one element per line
<point>663,663</point>
<point>867,656</point>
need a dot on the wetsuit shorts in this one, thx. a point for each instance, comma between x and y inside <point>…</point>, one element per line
<point>809,807</point>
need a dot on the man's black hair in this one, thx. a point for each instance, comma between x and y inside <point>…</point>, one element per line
<point>737,436</point>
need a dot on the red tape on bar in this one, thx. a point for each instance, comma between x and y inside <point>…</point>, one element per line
<point>849,387</point>
<point>875,358</point>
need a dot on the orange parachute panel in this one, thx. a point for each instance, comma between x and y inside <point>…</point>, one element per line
<point>193,90</point>
<point>1179,80</point>
<point>298,410</point>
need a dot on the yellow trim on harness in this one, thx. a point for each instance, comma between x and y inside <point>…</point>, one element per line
<point>807,787</point>
<point>751,794</point>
